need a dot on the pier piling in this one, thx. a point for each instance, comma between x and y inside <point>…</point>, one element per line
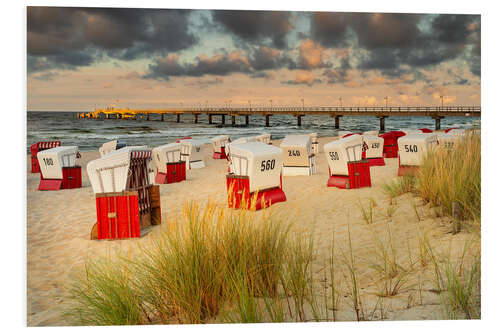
<point>267,119</point>
<point>178,117</point>
<point>299,120</point>
<point>337,122</point>
<point>382,123</point>
<point>247,120</point>
<point>438,122</point>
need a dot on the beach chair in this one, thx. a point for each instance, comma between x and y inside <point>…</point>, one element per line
<point>314,143</point>
<point>244,139</point>
<point>192,153</point>
<point>219,144</point>
<point>446,140</point>
<point>373,150</point>
<point>110,146</point>
<point>37,147</point>
<point>373,133</point>
<point>391,143</point>
<point>184,138</point>
<point>58,169</point>
<point>352,133</point>
<point>169,166</point>
<point>255,181</point>
<point>264,138</point>
<point>298,158</point>
<point>457,131</point>
<point>412,149</point>
<point>343,133</point>
<point>346,168</point>
<point>126,202</point>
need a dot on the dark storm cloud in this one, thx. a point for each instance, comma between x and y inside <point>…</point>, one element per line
<point>224,63</point>
<point>394,40</point>
<point>256,26</point>
<point>264,57</point>
<point>220,64</point>
<point>385,30</point>
<point>330,29</point>
<point>73,37</point>
<point>447,39</point>
<point>338,74</point>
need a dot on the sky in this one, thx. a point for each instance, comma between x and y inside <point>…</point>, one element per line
<point>82,58</point>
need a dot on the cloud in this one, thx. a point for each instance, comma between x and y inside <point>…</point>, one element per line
<point>264,58</point>
<point>386,41</point>
<point>330,29</point>
<point>365,101</point>
<point>202,84</point>
<point>47,76</point>
<point>339,74</point>
<point>311,55</point>
<point>256,26</point>
<point>378,30</point>
<point>222,64</point>
<point>68,38</point>
<point>303,77</point>
<point>445,38</point>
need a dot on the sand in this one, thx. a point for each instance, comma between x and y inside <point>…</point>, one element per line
<point>59,224</point>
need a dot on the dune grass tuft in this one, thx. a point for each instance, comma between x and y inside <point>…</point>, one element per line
<point>104,295</point>
<point>208,260</point>
<point>453,175</point>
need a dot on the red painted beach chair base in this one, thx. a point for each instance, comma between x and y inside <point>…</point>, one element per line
<point>239,196</point>
<point>338,181</point>
<point>220,156</point>
<point>390,151</point>
<point>176,172</point>
<point>118,216</point>
<point>377,161</point>
<point>160,178</point>
<point>358,176</point>
<point>407,170</point>
<point>72,178</point>
<point>50,184</point>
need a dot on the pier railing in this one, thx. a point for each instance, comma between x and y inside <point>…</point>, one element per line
<point>381,112</point>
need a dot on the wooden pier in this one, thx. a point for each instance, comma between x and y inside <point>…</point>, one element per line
<point>435,112</point>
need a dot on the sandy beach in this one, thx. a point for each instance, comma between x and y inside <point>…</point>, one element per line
<point>59,224</point>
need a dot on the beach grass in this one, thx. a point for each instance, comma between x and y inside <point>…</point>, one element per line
<point>453,175</point>
<point>209,260</point>
<point>104,295</point>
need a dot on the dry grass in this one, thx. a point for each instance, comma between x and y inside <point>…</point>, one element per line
<point>209,262</point>
<point>453,175</point>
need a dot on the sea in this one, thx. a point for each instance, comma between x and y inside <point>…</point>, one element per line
<point>90,134</point>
